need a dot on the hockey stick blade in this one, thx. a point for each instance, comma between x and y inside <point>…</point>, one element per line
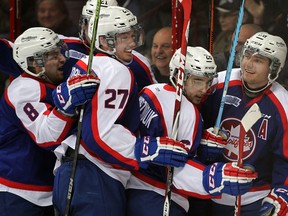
<point>248,120</point>
<point>251,117</point>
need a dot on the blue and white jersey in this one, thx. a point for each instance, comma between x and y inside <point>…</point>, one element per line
<point>142,71</point>
<point>265,144</point>
<point>30,129</point>
<point>139,65</point>
<point>111,119</point>
<point>156,116</point>
<point>77,50</point>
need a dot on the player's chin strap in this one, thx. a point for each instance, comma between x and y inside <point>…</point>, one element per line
<point>254,92</point>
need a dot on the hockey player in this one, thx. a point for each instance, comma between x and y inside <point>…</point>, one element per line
<point>265,146</point>
<point>136,62</point>
<point>30,126</point>
<point>157,109</point>
<point>109,147</point>
<point>79,47</point>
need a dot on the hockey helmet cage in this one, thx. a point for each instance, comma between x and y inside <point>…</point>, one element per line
<point>114,20</point>
<point>199,62</point>
<point>32,45</point>
<point>270,46</point>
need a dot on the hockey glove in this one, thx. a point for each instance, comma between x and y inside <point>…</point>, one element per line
<point>76,91</point>
<point>276,203</point>
<point>211,145</point>
<point>227,178</point>
<point>160,150</point>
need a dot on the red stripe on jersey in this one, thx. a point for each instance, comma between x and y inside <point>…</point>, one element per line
<point>22,186</point>
<point>72,40</point>
<point>155,183</point>
<point>101,143</point>
<point>231,83</point>
<point>196,165</point>
<point>284,122</point>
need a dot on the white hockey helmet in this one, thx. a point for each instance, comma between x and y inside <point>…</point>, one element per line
<point>199,62</point>
<point>32,46</point>
<point>270,46</point>
<point>89,9</point>
<point>112,21</point>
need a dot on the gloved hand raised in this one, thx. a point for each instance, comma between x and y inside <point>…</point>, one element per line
<point>276,203</point>
<point>211,145</point>
<point>160,150</point>
<point>77,90</point>
<point>227,178</point>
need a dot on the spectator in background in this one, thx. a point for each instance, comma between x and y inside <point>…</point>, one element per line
<point>256,8</point>
<point>161,54</point>
<point>54,14</point>
<point>222,58</point>
<point>228,11</point>
<point>227,17</point>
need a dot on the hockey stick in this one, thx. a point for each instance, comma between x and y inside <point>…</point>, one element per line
<point>15,19</point>
<point>187,5</point>
<point>174,25</point>
<point>211,26</point>
<point>249,119</point>
<point>177,24</point>
<point>82,109</point>
<point>229,67</point>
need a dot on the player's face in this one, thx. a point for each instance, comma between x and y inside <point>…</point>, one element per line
<point>255,69</point>
<point>54,61</point>
<point>196,88</point>
<point>125,43</point>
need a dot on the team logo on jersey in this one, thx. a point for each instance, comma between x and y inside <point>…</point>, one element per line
<point>232,127</point>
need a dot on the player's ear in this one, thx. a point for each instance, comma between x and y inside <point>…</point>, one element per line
<point>103,43</point>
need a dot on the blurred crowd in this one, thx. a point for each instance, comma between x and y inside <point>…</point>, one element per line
<point>271,15</point>
<point>62,16</point>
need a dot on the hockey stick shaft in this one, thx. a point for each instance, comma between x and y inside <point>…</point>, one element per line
<point>229,67</point>
<point>211,26</point>
<point>82,109</point>
<point>177,24</point>
<point>174,25</point>
<point>249,119</point>
<point>187,5</point>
